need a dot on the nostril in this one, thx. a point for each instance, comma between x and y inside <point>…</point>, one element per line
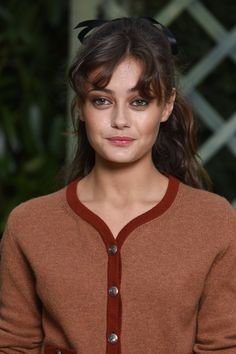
<point>120,119</point>
<point>120,123</point>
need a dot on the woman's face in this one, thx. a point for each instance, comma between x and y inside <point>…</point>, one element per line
<point>121,125</point>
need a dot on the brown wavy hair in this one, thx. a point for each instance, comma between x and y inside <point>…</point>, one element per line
<point>174,152</point>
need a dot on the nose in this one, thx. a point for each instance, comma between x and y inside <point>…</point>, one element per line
<point>120,117</point>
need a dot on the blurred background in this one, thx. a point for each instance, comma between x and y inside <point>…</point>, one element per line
<point>37,43</point>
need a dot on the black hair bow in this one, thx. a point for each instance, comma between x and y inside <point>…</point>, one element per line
<point>168,34</point>
<point>91,24</point>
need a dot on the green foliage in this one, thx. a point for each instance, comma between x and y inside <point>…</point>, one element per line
<point>33,58</point>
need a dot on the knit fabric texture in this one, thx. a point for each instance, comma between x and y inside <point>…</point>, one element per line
<point>165,285</point>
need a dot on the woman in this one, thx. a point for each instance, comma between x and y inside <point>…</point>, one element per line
<point>132,256</point>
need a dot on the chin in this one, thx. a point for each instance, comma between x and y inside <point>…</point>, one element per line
<point>119,160</point>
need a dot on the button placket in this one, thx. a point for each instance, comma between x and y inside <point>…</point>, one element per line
<point>114,299</point>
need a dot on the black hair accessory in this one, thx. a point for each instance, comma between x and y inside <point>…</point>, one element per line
<point>168,34</point>
<point>91,24</point>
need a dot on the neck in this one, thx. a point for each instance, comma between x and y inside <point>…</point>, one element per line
<point>125,182</point>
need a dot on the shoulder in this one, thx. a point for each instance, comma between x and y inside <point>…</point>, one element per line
<point>204,200</point>
<point>207,212</point>
<point>37,211</point>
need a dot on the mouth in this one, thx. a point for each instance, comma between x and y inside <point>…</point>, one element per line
<point>121,140</point>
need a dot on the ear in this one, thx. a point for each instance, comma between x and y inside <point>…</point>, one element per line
<point>81,117</point>
<point>79,109</point>
<point>168,107</point>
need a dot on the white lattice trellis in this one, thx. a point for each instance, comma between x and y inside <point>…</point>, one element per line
<point>223,130</point>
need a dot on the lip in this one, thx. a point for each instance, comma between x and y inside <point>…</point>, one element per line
<point>121,140</point>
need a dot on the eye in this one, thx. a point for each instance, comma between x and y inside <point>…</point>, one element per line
<point>140,102</point>
<point>100,101</point>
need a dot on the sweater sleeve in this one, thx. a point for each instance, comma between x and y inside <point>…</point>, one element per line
<point>20,308</point>
<point>216,327</point>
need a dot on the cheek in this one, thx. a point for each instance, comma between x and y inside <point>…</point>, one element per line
<point>150,129</point>
<point>96,128</point>
<point>91,124</point>
<point>91,130</point>
<point>95,119</point>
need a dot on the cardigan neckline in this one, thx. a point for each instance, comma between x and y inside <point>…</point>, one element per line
<point>99,224</point>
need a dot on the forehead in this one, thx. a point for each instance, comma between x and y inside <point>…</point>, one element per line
<point>126,74</point>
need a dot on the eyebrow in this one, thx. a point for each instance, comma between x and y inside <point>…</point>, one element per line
<point>132,89</point>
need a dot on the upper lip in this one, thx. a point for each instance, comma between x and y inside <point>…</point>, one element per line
<point>128,138</point>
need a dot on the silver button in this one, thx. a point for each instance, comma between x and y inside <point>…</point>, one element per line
<point>112,249</point>
<point>58,352</point>
<point>112,338</point>
<point>113,291</point>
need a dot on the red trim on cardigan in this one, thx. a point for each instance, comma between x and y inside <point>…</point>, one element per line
<point>114,303</point>
<point>93,219</point>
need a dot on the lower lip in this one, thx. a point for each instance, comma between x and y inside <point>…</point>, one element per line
<point>121,142</point>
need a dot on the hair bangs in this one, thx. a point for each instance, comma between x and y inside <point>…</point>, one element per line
<point>149,84</point>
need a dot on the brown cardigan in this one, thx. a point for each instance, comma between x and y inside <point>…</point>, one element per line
<point>165,285</point>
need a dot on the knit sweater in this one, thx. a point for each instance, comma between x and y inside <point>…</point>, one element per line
<point>165,285</point>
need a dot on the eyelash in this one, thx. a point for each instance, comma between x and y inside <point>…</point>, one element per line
<point>99,101</point>
<point>141,100</point>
